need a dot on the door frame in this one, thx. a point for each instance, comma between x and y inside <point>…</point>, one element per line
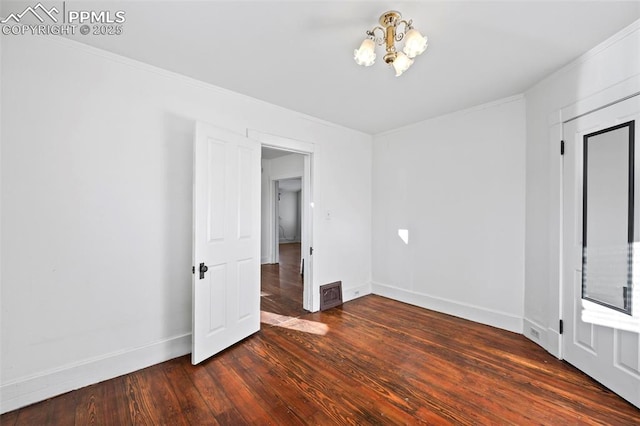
<point>310,293</point>
<point>274,191</point>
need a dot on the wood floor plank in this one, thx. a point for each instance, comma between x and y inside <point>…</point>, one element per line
<point>115,404</point>
<point>139,409</point>
<point>36,414</point>
<point>262,394</point>
<point>260,380</point>
<point>99,404</point>
<point>10,418</point>
<point>163,403</point>
<point>212,392</point>
<point>193,407</point>
<point>276,380</point>
<point>370,361</point>
<point>88,410</point>
<point>235,388</point>
<point>63,411</point>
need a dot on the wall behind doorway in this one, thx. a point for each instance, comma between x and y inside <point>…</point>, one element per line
<point>285,167</point>
<point>290,226</point>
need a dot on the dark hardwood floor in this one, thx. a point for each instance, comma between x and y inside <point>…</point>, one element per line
<point>370,361</point>
<point>282,283</point>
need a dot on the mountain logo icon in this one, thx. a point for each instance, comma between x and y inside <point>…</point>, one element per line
<point>38,11</point>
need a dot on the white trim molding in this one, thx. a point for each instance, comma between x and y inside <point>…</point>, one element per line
<point>548,338</point>
<point>466,311</point>
<point>356,292</point>
<point>280,142</point>
<point>608,96</point>
<point>38,387</point>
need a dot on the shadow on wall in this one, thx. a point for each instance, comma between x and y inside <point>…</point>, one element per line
<point>179,133</point>
<point>289,209</point>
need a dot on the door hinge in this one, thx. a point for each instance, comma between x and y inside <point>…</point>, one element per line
<point>193,269</point>
<point>561,327</point>
<point>310,251</point>
<point>561,147</point>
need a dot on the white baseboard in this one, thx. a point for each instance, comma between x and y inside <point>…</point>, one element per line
<point>356,292</point>
<point>535,332</point>
<point>28,390</point>
<point>554,343</point>
<point>547,338</point>
<point>462,310</point>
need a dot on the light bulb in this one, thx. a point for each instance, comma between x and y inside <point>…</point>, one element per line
<point>366,55</point>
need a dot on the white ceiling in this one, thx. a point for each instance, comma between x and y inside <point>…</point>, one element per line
<point>299,55</point>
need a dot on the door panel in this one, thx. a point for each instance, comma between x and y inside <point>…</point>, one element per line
<point>226,299</point>
<point>607,354</point>
<point>217,298</point>
<point>216,182</point>
<point>246,277</point>
<point>627,351</point>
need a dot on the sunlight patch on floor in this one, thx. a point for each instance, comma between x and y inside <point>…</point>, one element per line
<point>265,294</point>
<point>293,323</point>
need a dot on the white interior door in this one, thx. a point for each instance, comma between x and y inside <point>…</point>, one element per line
<point>226,240</point>
<point>609,355</point>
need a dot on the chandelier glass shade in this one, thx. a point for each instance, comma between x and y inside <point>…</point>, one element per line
<point>393,29</point>
<point>366,55</point>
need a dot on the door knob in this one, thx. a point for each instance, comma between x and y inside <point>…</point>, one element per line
<point>203,269</point>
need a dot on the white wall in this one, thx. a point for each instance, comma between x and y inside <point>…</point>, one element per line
<point>457,184</point>
<point>285,167</point>
<point>613,64</point>
<point>288,210</point>
<point>96,210</point>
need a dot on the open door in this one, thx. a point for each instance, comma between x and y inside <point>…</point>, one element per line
<point>226,240</point>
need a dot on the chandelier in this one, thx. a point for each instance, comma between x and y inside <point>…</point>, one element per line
<point>393,29</point>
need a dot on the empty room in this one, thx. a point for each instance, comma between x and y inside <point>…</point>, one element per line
<point>319,212</point>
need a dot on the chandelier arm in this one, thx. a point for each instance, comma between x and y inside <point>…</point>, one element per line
<point>408,25</point>
<point>379,40</point>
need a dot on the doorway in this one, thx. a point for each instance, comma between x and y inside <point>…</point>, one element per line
<point>311,291</point>
<point>285,270</point>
